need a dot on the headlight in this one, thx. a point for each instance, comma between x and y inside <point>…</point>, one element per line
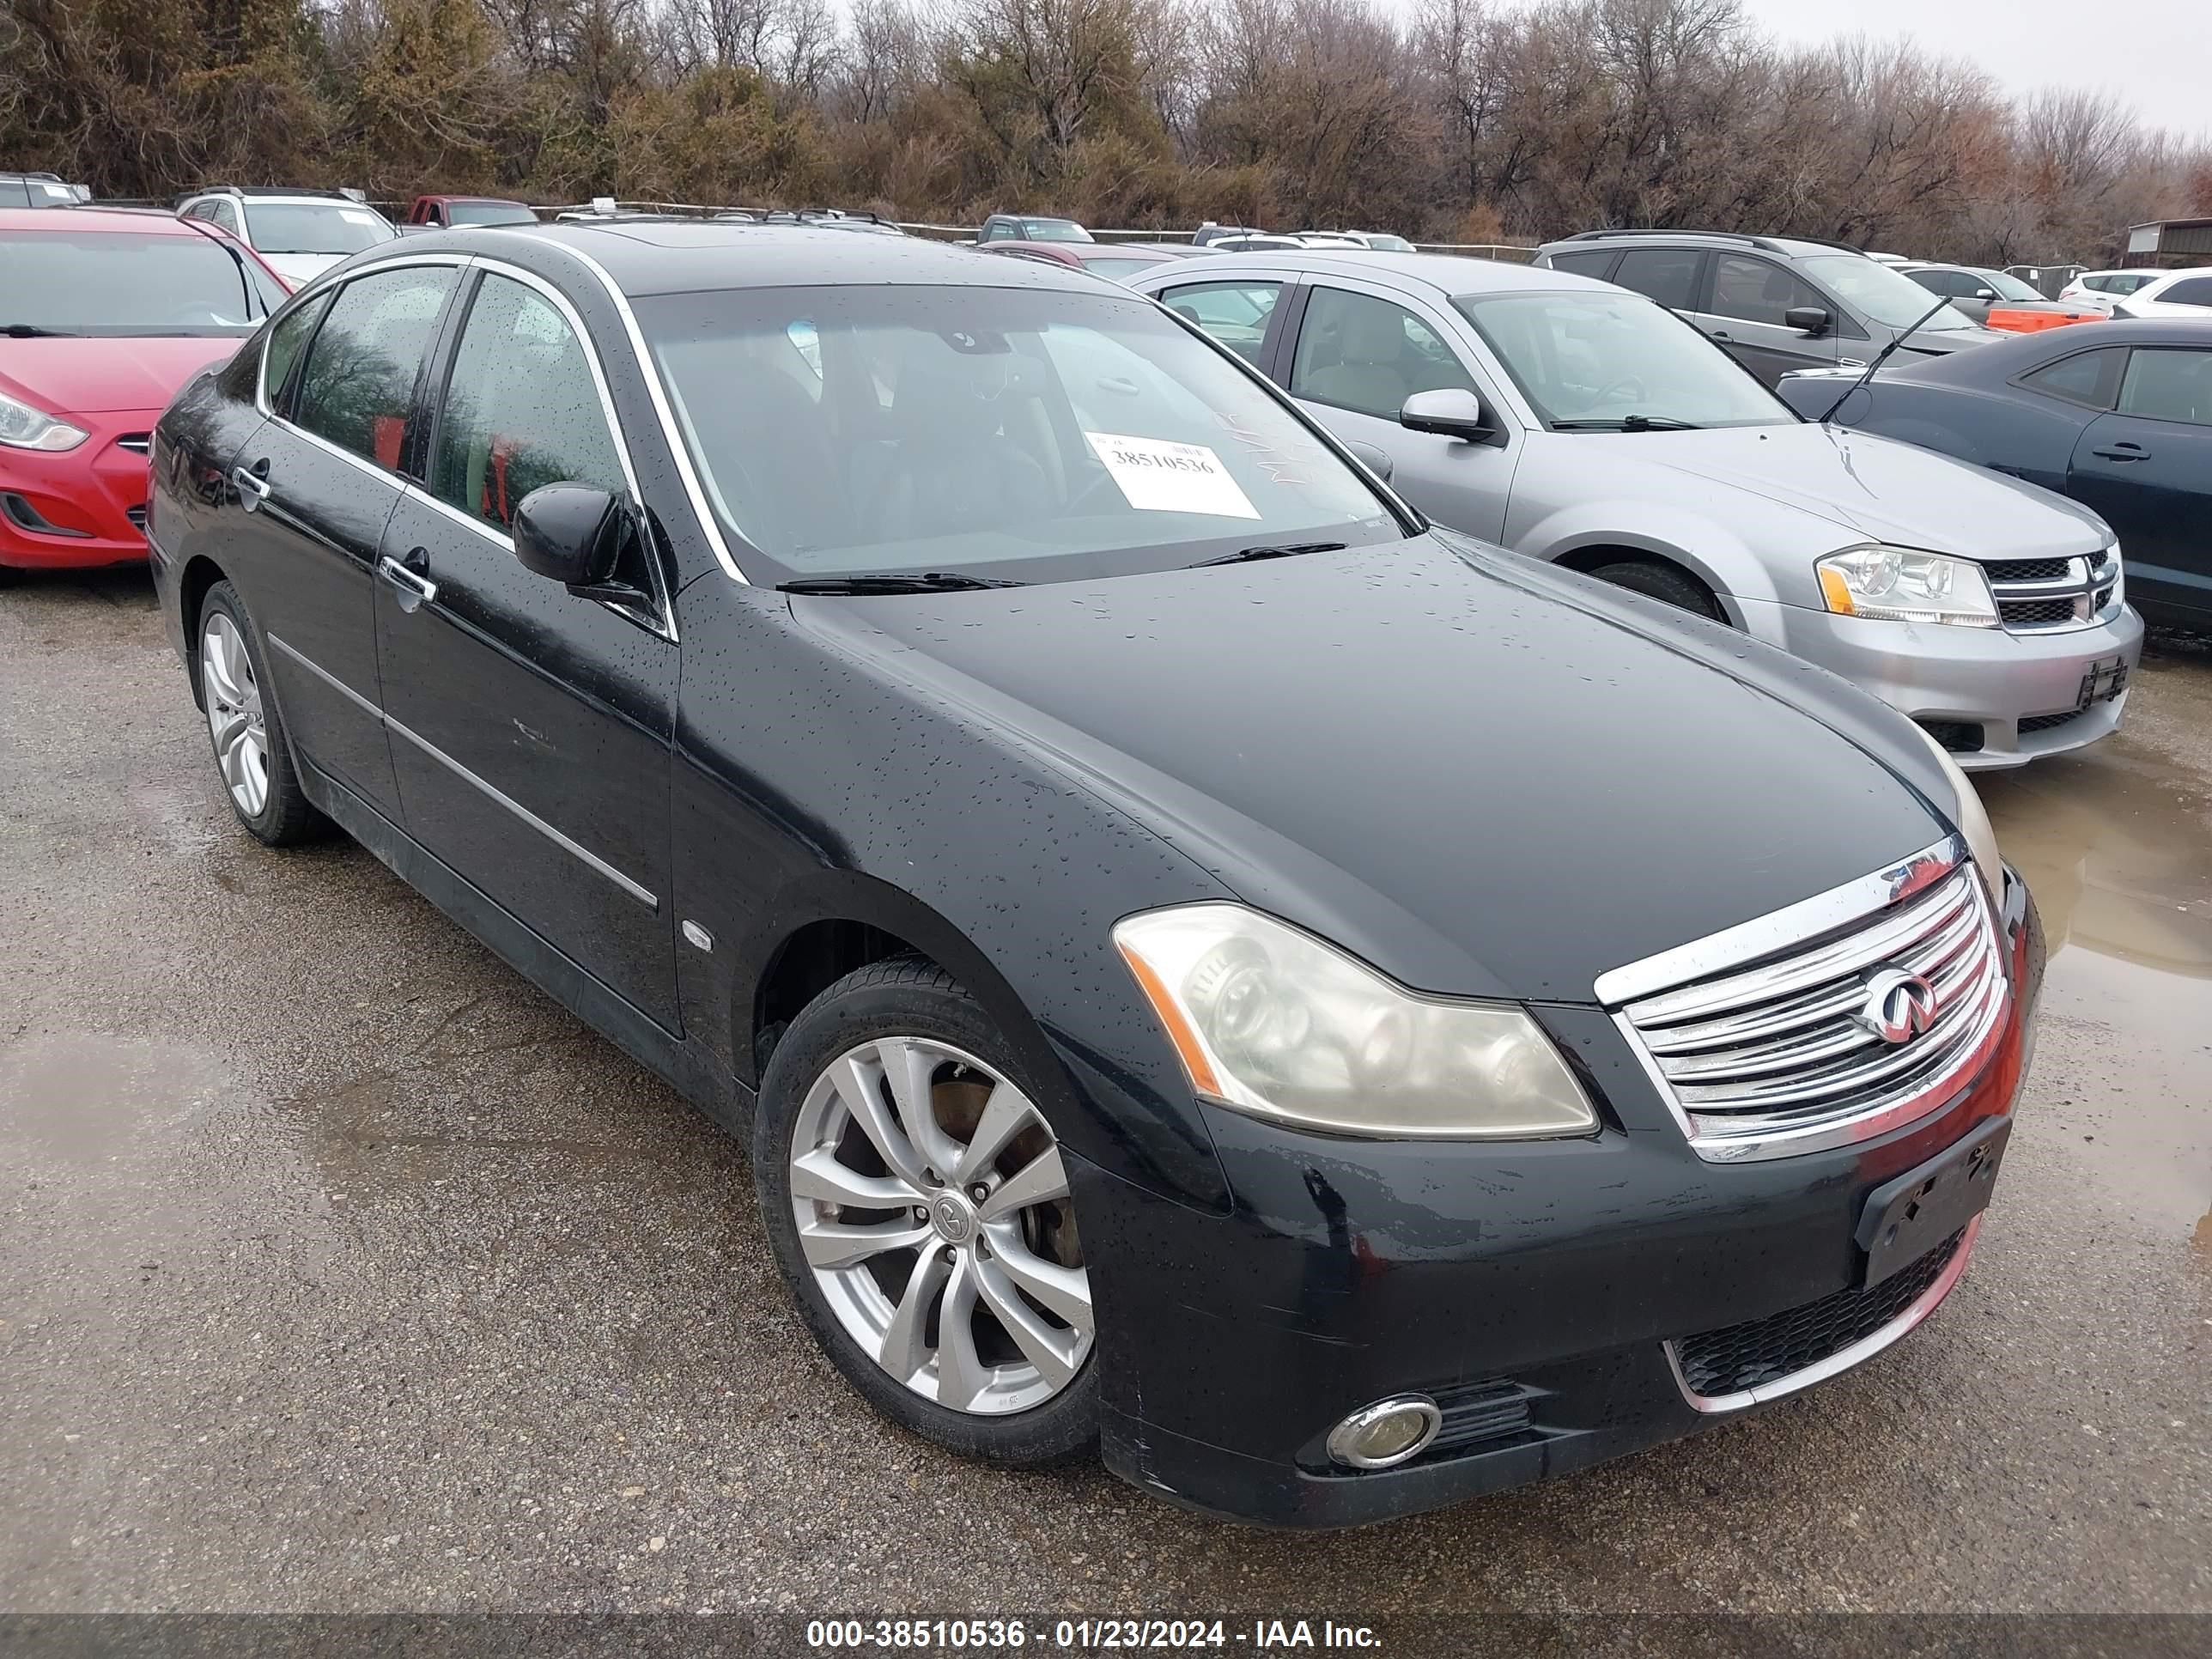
<point>1895,584</point>
<point>1973,821</point>
<point>22,427</point>
<point>1274,1022</point>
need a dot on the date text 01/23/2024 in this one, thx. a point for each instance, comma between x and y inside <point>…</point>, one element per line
<point>1261,1636</point>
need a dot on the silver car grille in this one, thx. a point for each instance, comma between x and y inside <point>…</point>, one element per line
<point>1782,1053</point>
<point>2049,596</point>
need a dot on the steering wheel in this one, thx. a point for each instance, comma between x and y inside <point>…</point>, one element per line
<point>1628,386</point>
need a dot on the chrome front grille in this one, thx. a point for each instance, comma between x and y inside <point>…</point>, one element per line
<point>1767,1052</point>
<point>2048,596</point>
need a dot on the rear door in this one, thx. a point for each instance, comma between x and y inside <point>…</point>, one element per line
<point>530,725</point>
<point>318,482</point>
<point>1674,277</point>
<point>1748,297</point>
<point>2147,468</point>
<point>1360,351</point>
<point>1242,312</point>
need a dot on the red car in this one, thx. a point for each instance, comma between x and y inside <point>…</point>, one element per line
<point>104,315</point>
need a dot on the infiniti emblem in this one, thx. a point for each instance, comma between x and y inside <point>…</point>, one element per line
<point>954,1222</point>
<point>1898,1006</point>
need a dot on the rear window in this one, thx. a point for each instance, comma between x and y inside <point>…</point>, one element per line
<point>488,213</point>
<point>80,282</point>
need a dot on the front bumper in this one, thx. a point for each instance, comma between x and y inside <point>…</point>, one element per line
<point>81,507</point>
<point>1949,678</point>
<point>1536,1289</point>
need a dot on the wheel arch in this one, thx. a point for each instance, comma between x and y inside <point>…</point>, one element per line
<point>194,583</point>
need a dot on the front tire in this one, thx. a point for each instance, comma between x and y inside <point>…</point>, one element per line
<point>919,1206</point>
<point>1664,582</point>
<point>252,752</point>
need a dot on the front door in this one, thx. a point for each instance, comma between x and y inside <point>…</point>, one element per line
<point>1359,355</point>
<point>1751,296</point>
<point>531,726</point>
<point>2147,469</point>
<point>318,482</point>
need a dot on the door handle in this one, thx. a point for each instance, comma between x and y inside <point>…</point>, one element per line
<point>2122,452</point>
<point>1720,334</point>
<point>253,484</point>
<point>409,577</point>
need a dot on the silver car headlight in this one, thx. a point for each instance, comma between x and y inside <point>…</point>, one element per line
<point>22,427</point>
<point>1898,584</point>
<point>1972,820</point>
<point>1275,1022</point>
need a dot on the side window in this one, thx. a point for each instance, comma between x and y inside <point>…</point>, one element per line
<point>2087,377</point>
<point>1584,264</point>
<point>1758,292</point>
<point>2197,291</point>
<point>357,389</point>
<point>1234,313</point>
<point>15,193</point>
<point>2168,385</point>
<point>1369,355</point>
<point>1667,275</point>
<point>521,409</point>
<point>222,213</point>
<point>286,342</point>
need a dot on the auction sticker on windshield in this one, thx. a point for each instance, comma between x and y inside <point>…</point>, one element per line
<point>1158,475</point>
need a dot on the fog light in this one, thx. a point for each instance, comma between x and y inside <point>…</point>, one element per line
<point>1386,1433</point>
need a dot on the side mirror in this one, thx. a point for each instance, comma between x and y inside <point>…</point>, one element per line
<point>1450,412</point>
<point>1986,293</point>
<point>570,532</point>
<point>1375,459</point>
<point>1808,319</point>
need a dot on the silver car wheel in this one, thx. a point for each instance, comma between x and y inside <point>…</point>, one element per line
<point>233,696</point>
<point>933,1208</point>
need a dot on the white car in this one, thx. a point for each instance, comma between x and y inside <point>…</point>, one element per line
<point>301,233</point>
<point>2185,293</point>
<point>2100,290</point>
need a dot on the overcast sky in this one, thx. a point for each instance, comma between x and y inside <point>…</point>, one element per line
<point>2156,58</point>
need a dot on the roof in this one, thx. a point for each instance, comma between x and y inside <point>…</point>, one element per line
<point>144,221</point>
<point>1446,273</point>
<point>1796,246</point>
<point>683,256</point>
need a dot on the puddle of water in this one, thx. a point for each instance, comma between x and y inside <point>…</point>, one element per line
<point>79,1098</point>
<point>2116,844</point>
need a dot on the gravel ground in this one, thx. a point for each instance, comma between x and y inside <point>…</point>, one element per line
<point>341,1270</point>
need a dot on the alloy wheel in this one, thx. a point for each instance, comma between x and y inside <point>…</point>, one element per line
<point>933,1208</point>
<point>233,696</point>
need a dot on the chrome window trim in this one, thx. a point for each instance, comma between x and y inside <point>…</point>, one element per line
<point>660,621</point>
<point>649,369</point>
<point>1844,1358</point>
<point>567,843</point>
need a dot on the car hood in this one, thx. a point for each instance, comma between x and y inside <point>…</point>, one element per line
<point>1874,488</point>
<point>299,268</point>
<point>100,375</point>
<point>1485,776</point>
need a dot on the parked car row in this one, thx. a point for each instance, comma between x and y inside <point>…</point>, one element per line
<point>1211,965</point>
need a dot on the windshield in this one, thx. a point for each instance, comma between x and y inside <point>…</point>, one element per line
<point>83,283</point>
<point>1054,230</point>
<point>315,227</point>
<point>488,213</point>
<point>1608,358</point>
<point>1880,293</point>
<point>2008,287</point>
<point>1382,242</point>
<point>1020,434</point>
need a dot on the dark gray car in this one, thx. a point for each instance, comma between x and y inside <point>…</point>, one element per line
<point>1779,303</point>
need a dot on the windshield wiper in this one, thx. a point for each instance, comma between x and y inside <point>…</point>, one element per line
<point>1884,355</point>
<point>32,332</point>
<point>1628,423</point>
<point>895,581</point>
<point>1284,550</point>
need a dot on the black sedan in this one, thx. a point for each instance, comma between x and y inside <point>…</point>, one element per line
<point>2117,414</point>
<point>1207,968</point>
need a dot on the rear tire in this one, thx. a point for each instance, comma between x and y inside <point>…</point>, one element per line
<point>1664,582</point>
<point>253,752</point>
<point>921,1291</point>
